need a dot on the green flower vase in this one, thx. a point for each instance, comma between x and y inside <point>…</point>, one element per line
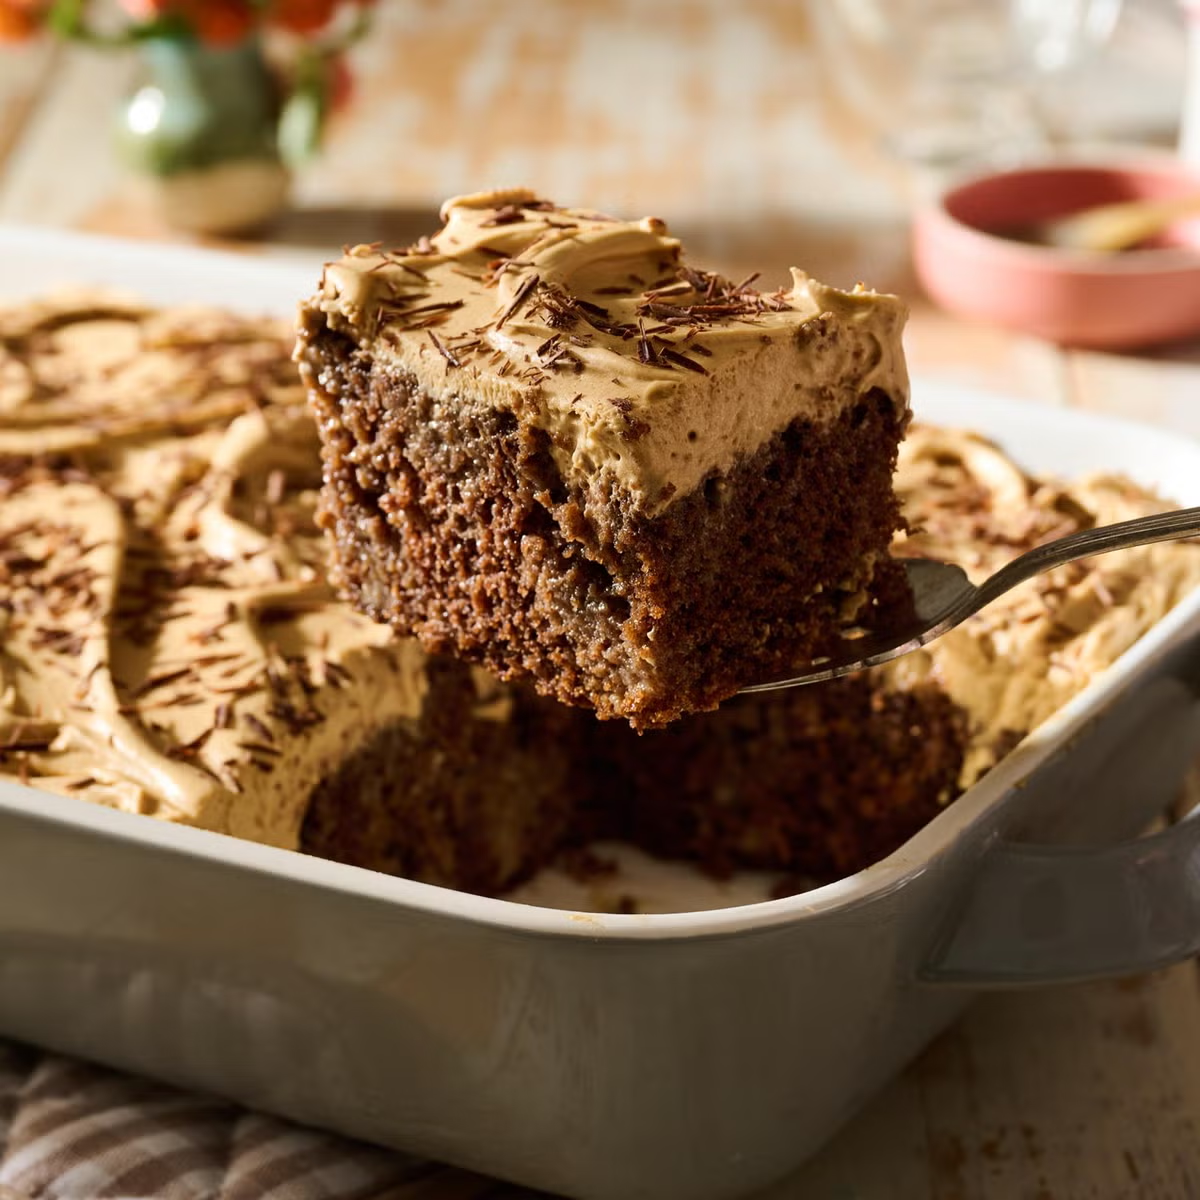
<point>201,130</point>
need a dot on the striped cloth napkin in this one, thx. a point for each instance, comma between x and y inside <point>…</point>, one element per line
<point>73,1131</point>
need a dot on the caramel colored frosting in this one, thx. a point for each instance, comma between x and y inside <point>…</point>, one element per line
<point>638,366</point>
<point>166,631</point>
<point>1025,655</point>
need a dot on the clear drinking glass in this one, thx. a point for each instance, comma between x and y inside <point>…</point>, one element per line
<point>948,82</point>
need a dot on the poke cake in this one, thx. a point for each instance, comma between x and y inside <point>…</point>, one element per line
<point>170,644</point>
<point>554,448</point>
<point>820,781</point>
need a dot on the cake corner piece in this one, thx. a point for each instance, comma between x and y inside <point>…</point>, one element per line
<point>554,448</point>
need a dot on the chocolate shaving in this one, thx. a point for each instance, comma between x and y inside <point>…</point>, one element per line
<point>682,360</point>
<point>591,314</point>
<point>152,682</point>
<point>523,294</point>
<point>442,350</point>
<point>260,748</point>
<point>646,352</point>
<point>260,728</point>
<point>558,307</point>
<point>276,677</point>
<point>432,312</point>
<point>678,288</point>
<point>506,214</point>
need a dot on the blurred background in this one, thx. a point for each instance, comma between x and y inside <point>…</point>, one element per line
<point>799,131</point>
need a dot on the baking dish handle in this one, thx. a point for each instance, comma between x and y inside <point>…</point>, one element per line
<point>1041,914</point>
<point>1038,913</point>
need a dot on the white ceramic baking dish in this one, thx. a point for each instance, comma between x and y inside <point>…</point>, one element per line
<point>677,1057</point>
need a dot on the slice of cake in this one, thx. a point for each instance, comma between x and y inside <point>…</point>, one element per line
<point>821,781</point>
<point>169,644</point>
<point>554,449</point>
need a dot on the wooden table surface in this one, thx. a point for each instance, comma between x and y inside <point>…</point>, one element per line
<point>719,118</point>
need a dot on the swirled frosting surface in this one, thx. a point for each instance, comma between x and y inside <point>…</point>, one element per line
<point>639,366</point>
<point>165,626</point>
<point>1024,656</point>
<point>167,635</point>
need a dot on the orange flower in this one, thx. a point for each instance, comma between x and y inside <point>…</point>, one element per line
<point>218,22</point>
<point>302,16</point>
<point>19,19</point>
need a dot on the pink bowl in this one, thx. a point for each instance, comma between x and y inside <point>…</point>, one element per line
<point>1079,298</point>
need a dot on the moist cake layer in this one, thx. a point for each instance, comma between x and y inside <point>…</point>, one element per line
<point>531,587</point>
<point>553,448</point>
<point>821,781</point>
<point>478,795</point>
<point>818,782</point>
<point>168,644</point>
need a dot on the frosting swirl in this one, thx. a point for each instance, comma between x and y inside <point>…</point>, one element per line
<point>1024,656</point>
<point>638,365</point>
<point>166,624</point>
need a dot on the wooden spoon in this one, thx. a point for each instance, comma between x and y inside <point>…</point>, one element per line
<point>1111,227</point>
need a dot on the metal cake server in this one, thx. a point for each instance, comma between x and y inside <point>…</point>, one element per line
<point>944,597</point>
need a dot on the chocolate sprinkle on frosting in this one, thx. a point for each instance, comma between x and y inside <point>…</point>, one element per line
<point>159,473</point>
<point>521,278</point>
